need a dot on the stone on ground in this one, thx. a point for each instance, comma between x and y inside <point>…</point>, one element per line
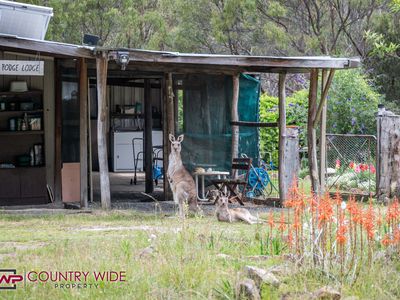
<point>327,293</point>
<point>247,289</point>
<point>261,276</point>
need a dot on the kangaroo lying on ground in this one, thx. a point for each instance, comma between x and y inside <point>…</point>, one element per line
<point>225,214</point>
<point>181,182</point>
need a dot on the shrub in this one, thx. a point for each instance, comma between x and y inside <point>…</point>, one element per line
<point>296,114</point>
<point>352,104</point>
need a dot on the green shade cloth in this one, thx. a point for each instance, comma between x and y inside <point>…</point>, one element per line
<point>206,104</point>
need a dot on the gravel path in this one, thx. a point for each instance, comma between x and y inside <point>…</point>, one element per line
<point>169,207</point>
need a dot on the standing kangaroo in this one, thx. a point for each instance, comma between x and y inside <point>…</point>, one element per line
<point>181,182</point>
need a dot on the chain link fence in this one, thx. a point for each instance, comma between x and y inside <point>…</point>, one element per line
<point>351,163</point>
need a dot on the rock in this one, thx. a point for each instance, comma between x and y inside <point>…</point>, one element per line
<point>152,238</point>
<point>379,255</point>
<point>327,293</point>
<point>147,252</point>
<point>282,270</point>
<point>330,171</point>
<point>247,289</point>
<point>261,276</point>
<point>224,256</point>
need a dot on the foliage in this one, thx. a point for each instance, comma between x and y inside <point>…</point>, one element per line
<point>383,61</point>
<point>257,27</point>
<point>352,104</point>
<point>296,114</point>
<point>359,178</point>
<point>336,236</point>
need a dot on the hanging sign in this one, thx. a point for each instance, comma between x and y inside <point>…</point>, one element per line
<point>22,67</point>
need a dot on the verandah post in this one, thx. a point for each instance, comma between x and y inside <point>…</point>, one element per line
<point>311,132</point>
<point>235,118</point>
<point>282,136</point>
<point>101,67</point>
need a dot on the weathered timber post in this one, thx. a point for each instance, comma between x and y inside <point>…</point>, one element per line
<point>168,126</point>
<point>170,105</point>
<point>58,135</point>
<point>283,189</point>
<point>101,67</point>
<point>388,155</point>
<point>148,140</point>
<point>321,114</point>
<point>83,135</point>
<point>311,132</point>
<point>322,139</point>
<point>292,158</point>
<point>235,118</point>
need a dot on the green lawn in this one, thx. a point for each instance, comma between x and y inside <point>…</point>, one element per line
<point>184,265</point>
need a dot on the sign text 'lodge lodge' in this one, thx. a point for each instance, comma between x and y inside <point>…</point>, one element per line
<point>22,67</point>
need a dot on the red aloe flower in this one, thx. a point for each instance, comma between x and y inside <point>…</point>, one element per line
<point>342,230</point>
<point>282,224</point>
<point>368,221</point>
<point>325,210</point>
<point>396,236</point>
<point>393,211</point>
<point>271,222</point>
<point>386,241</point>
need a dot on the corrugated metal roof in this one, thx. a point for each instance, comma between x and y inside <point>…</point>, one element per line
<point>175,60</point>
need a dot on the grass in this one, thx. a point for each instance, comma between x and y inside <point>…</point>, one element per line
<point>184,265</point>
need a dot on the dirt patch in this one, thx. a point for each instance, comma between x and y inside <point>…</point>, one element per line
<point>7,255</point>
<point>135,228</point>
<point>21,245</point>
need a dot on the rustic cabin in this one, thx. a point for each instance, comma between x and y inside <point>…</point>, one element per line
<point>90,103</point>
<point>71,115</point>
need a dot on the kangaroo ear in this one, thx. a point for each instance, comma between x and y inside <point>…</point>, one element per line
<point>180,138</point>
<point>171,138</point>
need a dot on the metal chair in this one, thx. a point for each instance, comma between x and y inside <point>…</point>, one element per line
<point>157,156</point>
<point>136,157</point>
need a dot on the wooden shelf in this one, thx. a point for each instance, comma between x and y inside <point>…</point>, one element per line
<point>127,116</point>
<point>21,111</point>
<point>27,93</point>
<point>27,167</point>
<point>20,132</point>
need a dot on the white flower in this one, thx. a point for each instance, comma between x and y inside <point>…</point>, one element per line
<point>343,205</point>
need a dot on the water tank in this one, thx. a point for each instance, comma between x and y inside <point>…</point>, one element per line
<point>24,20</point>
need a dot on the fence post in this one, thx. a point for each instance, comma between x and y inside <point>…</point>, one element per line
<point>378,150</point>
<point>388,168</point>
<point>292,158</point>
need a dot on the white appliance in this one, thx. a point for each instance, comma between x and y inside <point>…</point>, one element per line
<point>24,20</point>
<point>122,149</point>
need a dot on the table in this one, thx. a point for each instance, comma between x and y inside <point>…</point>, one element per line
<point>202,175</point>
